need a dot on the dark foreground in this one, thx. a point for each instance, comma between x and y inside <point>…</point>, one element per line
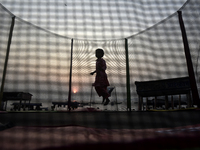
<point>172,130</point>
<point>104,120</point>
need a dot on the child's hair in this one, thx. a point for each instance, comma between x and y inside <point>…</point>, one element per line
<point>99,50</point>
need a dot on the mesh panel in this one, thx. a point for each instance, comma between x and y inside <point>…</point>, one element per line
<point>84,61</point>
<point>4,32</point>
<point>152,61</point>
<point>39,64</point>
<point>193,32</point>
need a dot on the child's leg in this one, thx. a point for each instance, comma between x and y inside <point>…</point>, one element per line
<point>107,101</point>
<point>102,91</point>
<point>103,100</point>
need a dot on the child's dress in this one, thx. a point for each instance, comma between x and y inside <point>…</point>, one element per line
<point>101,81</point>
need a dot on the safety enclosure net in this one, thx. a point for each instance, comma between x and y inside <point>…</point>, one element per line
<point>56,68</point>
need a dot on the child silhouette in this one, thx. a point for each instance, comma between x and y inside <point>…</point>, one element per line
<point>101,81</point>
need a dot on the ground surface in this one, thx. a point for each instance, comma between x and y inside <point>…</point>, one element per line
<point>101,130</point>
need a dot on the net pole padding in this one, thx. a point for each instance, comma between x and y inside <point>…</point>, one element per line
<point>6,61</point>
<point>70,79</point>
<point>127,77</point>
<point>193,84</point>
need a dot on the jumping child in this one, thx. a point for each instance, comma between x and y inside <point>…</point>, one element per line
<point>101,81</point>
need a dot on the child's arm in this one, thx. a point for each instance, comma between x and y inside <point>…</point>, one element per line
<point>93,72</point>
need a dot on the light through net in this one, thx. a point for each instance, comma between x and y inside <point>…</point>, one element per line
<point>53,63</point>
<point>39,60</point>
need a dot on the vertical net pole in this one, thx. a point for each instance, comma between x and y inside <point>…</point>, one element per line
<point>6,60</point>
<point>70,78</point>
<point>193,84</point>
<point>127,77</point>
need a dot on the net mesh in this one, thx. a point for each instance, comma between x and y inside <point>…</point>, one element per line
<point>5,28</point>
<point>39,63</point>
<point>152,61</point>
<point>84,62</point>
<point>53,62</point>
<point>39,60</point>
